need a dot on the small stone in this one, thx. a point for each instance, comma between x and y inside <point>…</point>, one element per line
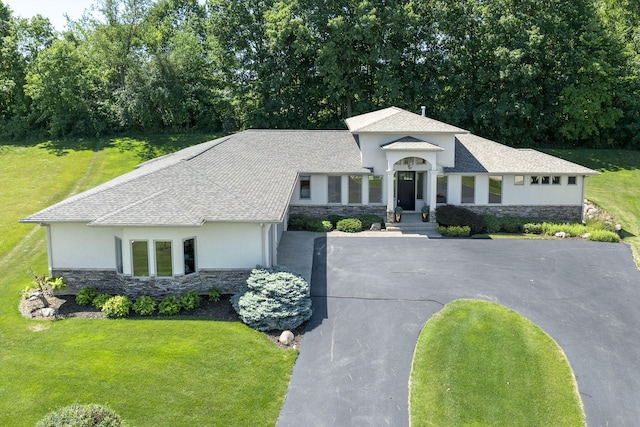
<point>561,234</point>
<point>48,312</point>
<point>586,235</point>
<point>286,338</point>
<point>376,226</point>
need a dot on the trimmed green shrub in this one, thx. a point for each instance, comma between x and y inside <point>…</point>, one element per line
<point>273,299</point>
<point>510,224</point>
<point>144,306</point>
<point>297,222</point>
<point>214,294</point>
<point>190,301</point>
<point>493,223</point>
<point>603,236</point>
<point>318,225</point>
<point>78,415</point>
<point>170,306</point>
<point>349,225</point>
<point>455,231</point>
<point>532,228</point>
<point>86,296</point>
<point>570,229</point>
<point>447,215</point>
<point>99,300</point>
<point>369,219</point>
<point>334,218</point>
<point>117,307</point>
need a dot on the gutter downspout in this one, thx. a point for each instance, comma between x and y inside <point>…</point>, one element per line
<point>49,248</point>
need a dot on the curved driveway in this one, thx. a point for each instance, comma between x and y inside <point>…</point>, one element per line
<point>372,297</point>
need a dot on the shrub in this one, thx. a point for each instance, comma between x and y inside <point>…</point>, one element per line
<point>571,230</point>
<point>78,415</point>
<point>349,225</point>
<point>369,219</point>
<point>603,236</point>
<point>117,307</point>
<point>190,301</point>
<point>144,306</point>
<point>169,306</point>
<point>493,223</point>
<point>99,300</point>
<point>455,215</point>
<point>318,225</point>
<point>273,299</point>
<point>334,218</point>
<point>532,228</point>
<point>297,222</point>
<point>455,231</point>
<point>86,296</point>
<point>214,294</point>
<point>510,224</point>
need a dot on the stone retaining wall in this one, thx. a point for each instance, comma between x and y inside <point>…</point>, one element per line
<point>109,282</point>
<point>325,211</point>
<point>544,213</point>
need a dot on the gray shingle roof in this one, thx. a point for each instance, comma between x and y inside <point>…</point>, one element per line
<point>475,154</point>
<point>245,177</point>
<point>410,143</point>
<point>397,120</point>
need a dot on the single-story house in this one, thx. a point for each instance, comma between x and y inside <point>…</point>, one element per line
<point>205,215</point>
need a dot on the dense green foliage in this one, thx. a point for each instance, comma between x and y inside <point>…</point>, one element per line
<point>455,231</point>
<point>190,300</point>
<point>100,299</point>
<point>78,415</point>
<point>349,225</point>
<point>214,294</point>
<point>479,363</point>
<point>170,306</point>
<point>448,215</point>
<point>522,72</point>
<point>117,307</point>
<point>144,306</point>
<point>86,295</point>
<point>273,299</point>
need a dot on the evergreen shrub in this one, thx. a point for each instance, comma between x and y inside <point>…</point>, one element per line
<point>86,295</point>
<point>349,225</point>
<point>78,415</point>
<point>603,236</point>
<point>273,299</point>
<point>493,223</point>
<point>190,301</point>
<point>170,306</point>
<point>144,306</point>
<point>117,307</point>
<point>532,228</point>
<point>99,300</point>
<point>214,294</point>
<point>448,215</point>
<point>369,219</point>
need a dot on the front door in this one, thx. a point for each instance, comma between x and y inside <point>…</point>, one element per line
<point>407,190</point>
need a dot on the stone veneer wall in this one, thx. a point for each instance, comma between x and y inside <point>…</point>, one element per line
<point>326,210</point>
<point>546,213</point>
<point>109,282</point>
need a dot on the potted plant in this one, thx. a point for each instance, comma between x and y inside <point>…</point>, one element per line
<point>398,213</point>
<point>425,213</point>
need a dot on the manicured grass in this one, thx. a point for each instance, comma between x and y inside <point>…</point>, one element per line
<point>478,363</point>
<point>615,189</point>
<point>174,372</point>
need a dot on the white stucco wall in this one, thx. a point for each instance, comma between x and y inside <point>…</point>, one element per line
<point>374,156</point>
<point>74,245</point>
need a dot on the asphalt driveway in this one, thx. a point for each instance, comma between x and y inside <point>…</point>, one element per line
<point>372,297</point>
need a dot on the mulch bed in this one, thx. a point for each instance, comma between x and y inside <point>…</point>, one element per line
<point>220,310</point>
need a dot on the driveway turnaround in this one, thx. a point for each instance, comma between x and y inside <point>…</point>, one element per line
<point>372,297</point>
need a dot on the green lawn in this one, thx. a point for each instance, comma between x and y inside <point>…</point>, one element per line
<point>615,189</point>
<point>479,364</point>
<point>152,372</point>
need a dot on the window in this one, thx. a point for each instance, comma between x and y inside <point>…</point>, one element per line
<point>355,188</point>
<point>375,189</point>
<point>546,180</point>
<point>420,189</point>
<point>468,189</point>
<point>555,180</point>
<point>442,190</point>
<point>335,189</point>
<point>535,180</point>
<point>495,189</point>
<point>164,266</point>
<point>118,255</point>
<point>140,255</point>
<point>518,180</point>
<point>572,180</point>
<point>305,187</point>
<point>189,252</point>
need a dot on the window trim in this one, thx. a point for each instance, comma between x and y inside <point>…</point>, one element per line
<point>339,188</point>
<point>350,180</point>
<point>155,259</point>
<point>573,178</point>
<point>133,263</point>
<point>501,189</point>
<point>195,256</point>
<point>381,179</point>
<point>473,201</point>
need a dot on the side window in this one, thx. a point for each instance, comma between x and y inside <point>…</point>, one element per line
<point>572,180</point>
<point>119,255</point>
<point>164,260</point>
<point>468,189</point>
<point>375,189</point>
<point>305,187</point>
<point>555,180</point>
<point>189,252</point>
<point>442,189</point>
<point>355,189</point>
<point>535,180</point>
<point>518,180</point>
<point>495,189</point>
<point>335,189</point>
<point>140,258</point>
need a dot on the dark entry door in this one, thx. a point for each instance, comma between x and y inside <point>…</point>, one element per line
<point>407,190</point>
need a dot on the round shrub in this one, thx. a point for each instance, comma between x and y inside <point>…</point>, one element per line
<point>169,306</point>
<point>510,224</point>
<point>297,222</point>
<point>273,299</point>
<point>493,223</point>
<point>190,301</point>
<point>116,307</point>
<point>532,228</point>
<point>86,296</point>
<point>99,300</point>
<point>455,215</point>
<point>603,236</point>
<point>369,219</point>
<point>78,415</point>
<point>214,294</point>
<point>334,218</point>
<point>318,225</point>
<point>349,225</point>
<point>144,306</point>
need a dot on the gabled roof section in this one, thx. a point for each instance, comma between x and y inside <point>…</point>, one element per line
<point>397,120</point>
<point>410,143</point>
<point>475,154</point>
<point>245,177</point>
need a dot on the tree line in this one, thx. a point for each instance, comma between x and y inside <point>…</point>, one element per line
<point>524,72</point>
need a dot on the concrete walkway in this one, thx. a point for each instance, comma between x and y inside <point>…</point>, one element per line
<point>372,297</point>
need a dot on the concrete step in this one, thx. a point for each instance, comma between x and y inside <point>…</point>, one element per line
<point>415,226</point>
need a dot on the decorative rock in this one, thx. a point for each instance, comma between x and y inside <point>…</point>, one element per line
<point>286,338</point>
<point>376,226</point>
<point>561,234</point>
<point>48,312</point>
<point>586,235</point>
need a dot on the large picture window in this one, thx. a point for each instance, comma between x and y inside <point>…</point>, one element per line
<point>375,189</point>
<point>468,189</point>
<point>164,265</point>
<point>355,188</point>
<point>495,189</point>
<point>335,189</point>
<point>140,257</point>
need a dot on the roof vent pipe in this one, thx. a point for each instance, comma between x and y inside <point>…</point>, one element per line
<point>424,111</point>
